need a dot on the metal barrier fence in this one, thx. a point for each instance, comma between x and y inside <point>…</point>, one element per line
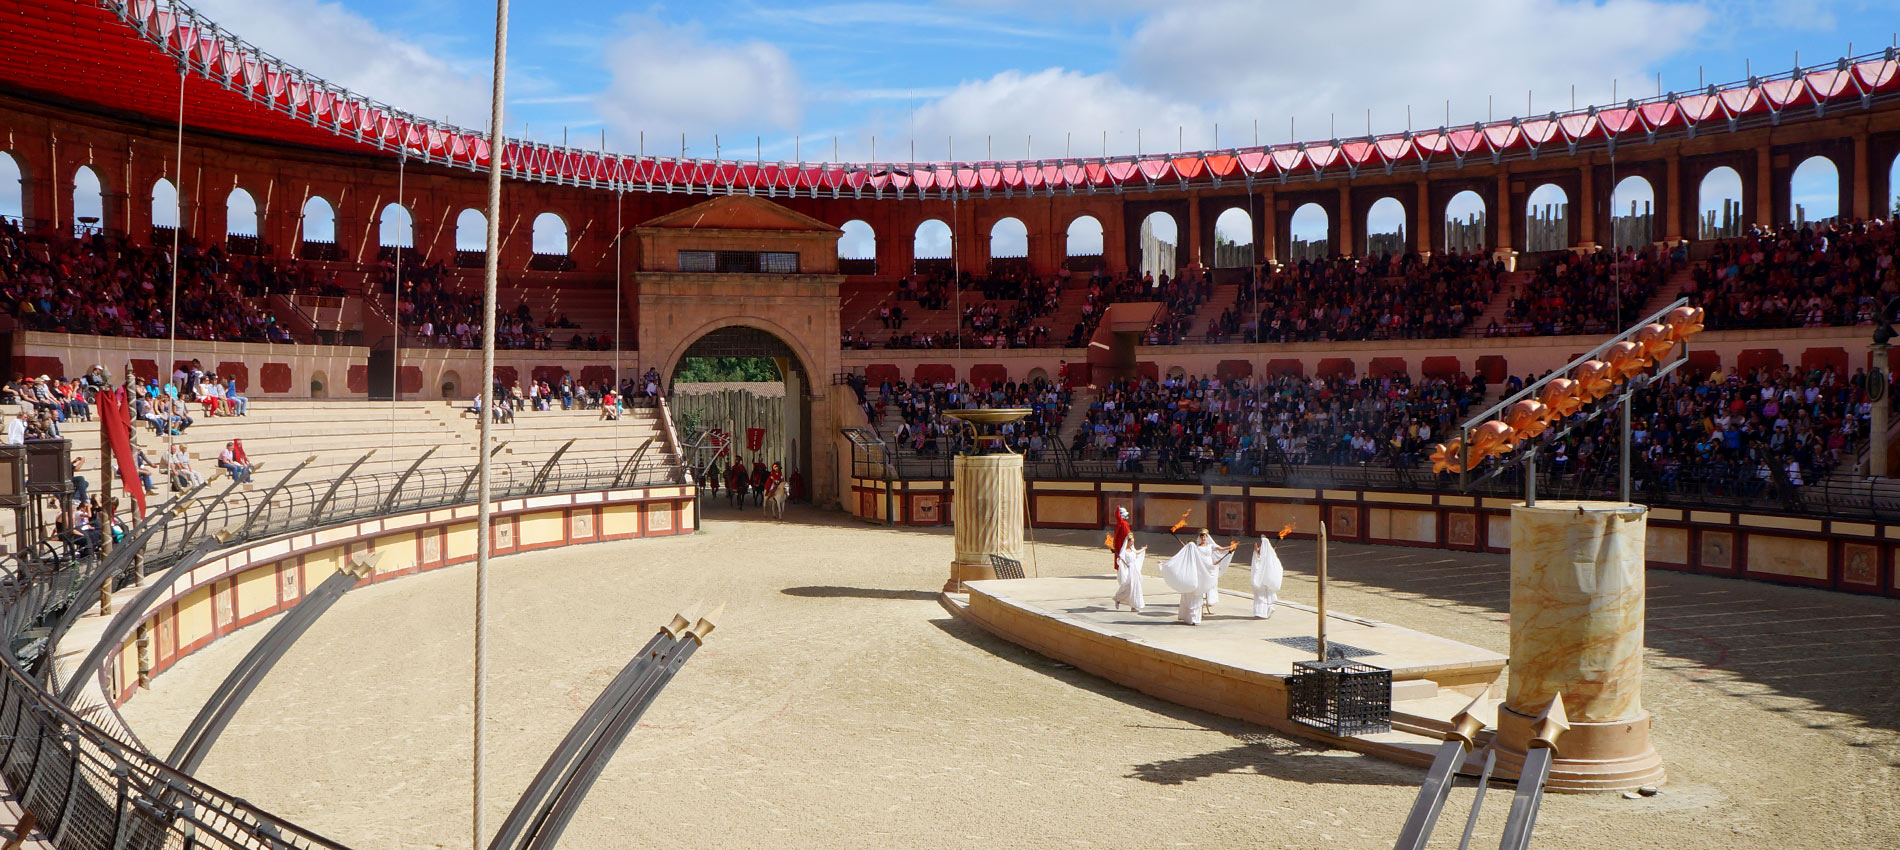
<point>84,778</point>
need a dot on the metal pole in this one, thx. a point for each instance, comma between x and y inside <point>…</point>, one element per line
<point>1321,606</point>
<point>1530,479</point>
<point>1623,453</point>
<point>490,271</point>
<point>1878,422</point>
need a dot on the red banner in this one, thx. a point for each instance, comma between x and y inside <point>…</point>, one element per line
<point>754,439</point>
<point>115,429</point>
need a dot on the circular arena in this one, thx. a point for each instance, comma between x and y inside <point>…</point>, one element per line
<point>376,481</point>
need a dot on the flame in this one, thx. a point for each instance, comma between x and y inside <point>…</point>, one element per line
<point>1108,540</point>
<point>1286,530</point>
<point>1179,523</point>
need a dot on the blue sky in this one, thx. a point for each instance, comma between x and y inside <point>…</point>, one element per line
<point>1009,79</point>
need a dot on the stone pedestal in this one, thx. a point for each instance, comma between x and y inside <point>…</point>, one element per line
<point>988,501</point>
<point>1577,597</point>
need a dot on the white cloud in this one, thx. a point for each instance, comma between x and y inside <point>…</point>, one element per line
<point>1050,109</point>
<point>347,49</point>
<point>668,80</point>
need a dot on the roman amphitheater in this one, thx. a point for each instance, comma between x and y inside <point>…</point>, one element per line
<point>1543,490</point>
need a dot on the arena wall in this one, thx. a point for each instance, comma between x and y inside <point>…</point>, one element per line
<point>1846,555</point>
<point>241,586</point>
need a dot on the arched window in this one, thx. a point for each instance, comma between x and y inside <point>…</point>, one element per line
<point>164,204</point>
<point>1464,223</point>
<point>932,241</point>
<point>12,199</point>
<point>1893,190</point>
<point>1159,237</point>
<point>1085,237</point>
<point>240,214</point>
<point>1814,191</point>
<point>1309,228</point>
<point>319,221</point>
<point>395,228</point>
<point>471,231</point>
<point>1719,204</point>
<point>1385,228</point>
<point>1632,213</point>
<point>89,201</point>
<point>1233,239</point>
<point>859,241</point>
<point>550,234</point>
<point>1009,239</point>
<point>1547,219</point>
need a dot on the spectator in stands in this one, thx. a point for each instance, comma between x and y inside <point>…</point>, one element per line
<point>229,461</point>
<point>182,475</point>
<point>16,429</point>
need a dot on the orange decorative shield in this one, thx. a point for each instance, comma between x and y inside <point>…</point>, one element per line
<point>1626,360</point>
<point>1683,322</point>
<point>1528,418</point>
<point>1491,438</point>
<point>1593,381</point>
<point>1655,342</point>
<point>1446,456</point>
<point>1560,398</point>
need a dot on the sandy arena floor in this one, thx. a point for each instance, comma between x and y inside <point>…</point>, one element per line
<point>839,706</point>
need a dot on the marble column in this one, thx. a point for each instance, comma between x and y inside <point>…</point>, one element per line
<point>1577,599</point>
<point>988,505</point>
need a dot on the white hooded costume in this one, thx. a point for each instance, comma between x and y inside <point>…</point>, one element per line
<point>1267,577</point>
<point>1128,590</point>
<point>1194,572</point>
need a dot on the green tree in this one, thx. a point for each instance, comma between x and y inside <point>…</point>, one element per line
<point>698,370</point>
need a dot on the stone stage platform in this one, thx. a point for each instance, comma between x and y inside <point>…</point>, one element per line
<point>1233,664</point>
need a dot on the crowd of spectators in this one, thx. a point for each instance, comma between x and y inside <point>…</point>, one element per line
<point>923,430</point>
<point>1599,292</point>
<point>1817,275</point>
<point>106,286</point>
<point>1199,425</point>
<point>1382,297</point>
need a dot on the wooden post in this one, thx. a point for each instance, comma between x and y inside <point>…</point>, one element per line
<point>1322,592</point>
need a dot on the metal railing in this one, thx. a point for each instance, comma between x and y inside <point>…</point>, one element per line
<point>83,777</point>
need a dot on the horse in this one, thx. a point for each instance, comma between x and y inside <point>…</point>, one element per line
<point>775,500</point>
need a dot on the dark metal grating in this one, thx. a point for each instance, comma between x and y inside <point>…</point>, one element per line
<point>1345,698</point>
<point>1006,567</point>
<point>1334,649</point>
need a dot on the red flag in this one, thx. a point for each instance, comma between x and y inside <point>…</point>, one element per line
<point>114,427</point>
<point>754,439</point>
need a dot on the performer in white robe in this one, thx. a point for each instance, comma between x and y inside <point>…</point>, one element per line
<point>1128,589</point>
<point>1267,577</point>
<point>1194,572</point>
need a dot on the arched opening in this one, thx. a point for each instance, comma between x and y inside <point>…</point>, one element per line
<point>164,205</point>
<point>240,222</point>
<point>1893,188</point>
<point>395,228</point>
<point>471,239</point>
<point>550,235</point>
<point>1233,239</point>
<point>550,244</point>
<point>89,201</point>
<point>1464,223</point>
<point>451,384</point>
<point>931,246</point>
<point>319,230</point>
<point>1309,230</point>
<point>743,381</point>
<point>12,189</point>
<point>1719,204</point>
<point>1385,228</point>
<point>319,384</point>
<point>857,248</point>
<point>1814,192</point>
<point>1160,236</point>
<point>1547,219</point>
<point>1085,238</point>
<point>1632,213</point>
<point>1009,239</point>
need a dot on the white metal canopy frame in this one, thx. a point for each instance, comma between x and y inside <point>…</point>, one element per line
<point>1801,93</point>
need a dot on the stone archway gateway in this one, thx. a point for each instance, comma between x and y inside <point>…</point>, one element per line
<point>744,277</point>
<point>783,420</point>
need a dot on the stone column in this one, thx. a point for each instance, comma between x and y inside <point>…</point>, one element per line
<point>1191,242</point>
<point>1672,200</point>
<point>1577,599</point>
<point>1587,209</point>
<point>1862,182</point>
<point>988,498</point>
<point>1765,187</point>
<point>1503,219</point>
<point>1346,234</point>
<point>1422,215</point>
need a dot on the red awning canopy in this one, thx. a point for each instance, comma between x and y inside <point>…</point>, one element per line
<point>125,56</point>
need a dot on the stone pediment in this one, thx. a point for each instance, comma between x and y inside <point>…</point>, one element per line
<point>738,212</point>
